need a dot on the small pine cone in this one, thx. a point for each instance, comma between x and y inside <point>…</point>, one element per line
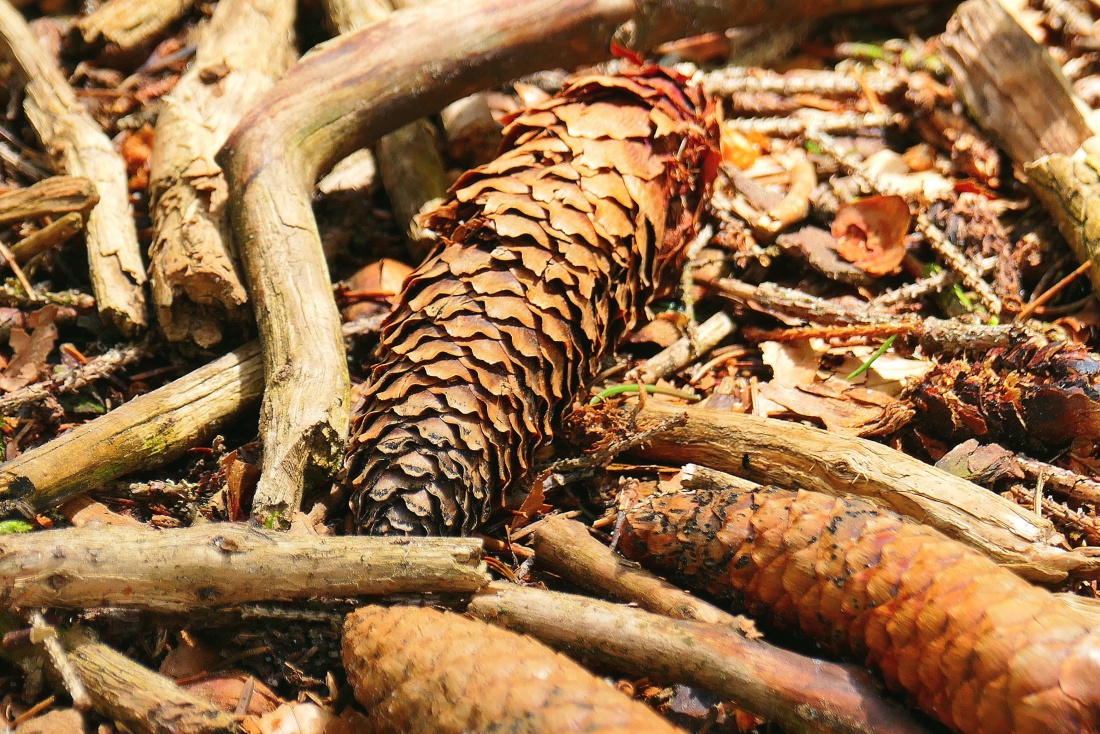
<point>548,255</point>
<point>419,670</point>
<point>974,645</point>
<point>1033,398</point>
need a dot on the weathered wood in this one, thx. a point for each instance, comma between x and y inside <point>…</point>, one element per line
<point>196,286</point>
<point>79,147</point>
<point>53,235</point>
<point>801,694</point>
<point>130,24</point>
<point>996,63</point>
<point>348,93</point>
<point>144,433</point>
<point>793,455</point>
<point>565,548</point>
<point>49,197</point>
<point>223,563</point>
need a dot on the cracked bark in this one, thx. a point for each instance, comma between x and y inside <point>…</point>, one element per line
<point>197,289</point>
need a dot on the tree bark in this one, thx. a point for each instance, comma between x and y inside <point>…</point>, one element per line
<point>197,289</point>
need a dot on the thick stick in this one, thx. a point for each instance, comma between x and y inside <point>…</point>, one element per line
<point>129,24</point>
<point>408,162</point>
<point>802,694</point>
<point>116,686</point>
<point>144,433</point>
<point>79,148</point>
<point>349,92</point>
<point>142,699</point>
<point>49,197</point>
<point>196,287</point>
<point>565,547</point>
<point>223,563</point>
<point>790,454</point>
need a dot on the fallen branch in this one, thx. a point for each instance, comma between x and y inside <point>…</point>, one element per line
<point>130,24</point>
<point>680,353</point>
<point>801,694</point>
<point>791,454</point>
<point>420,59</point>
<point>146,432</point>
<point>408,160</point>
<point>565,548</point>
<point>996,63</point>
<point>216,564</point>
<point>79,148</point>
<point>49,197</point>
<point>197,290</point>
<point>122,690</point>
<point>53,235</point>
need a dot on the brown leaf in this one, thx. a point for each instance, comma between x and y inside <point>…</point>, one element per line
<point>871,233</point>
<point>291,718</point>
<point>226,690</point>
<point>31,350</point>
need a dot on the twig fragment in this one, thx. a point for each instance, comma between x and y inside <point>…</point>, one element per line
<point>80,148</point>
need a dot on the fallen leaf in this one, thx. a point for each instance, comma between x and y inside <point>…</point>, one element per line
<point>871,233</point>
<point>65,721</point>
<point>225,691</point>
<point>739,149</point>
<point>290,718</point>
<point>31,350</point>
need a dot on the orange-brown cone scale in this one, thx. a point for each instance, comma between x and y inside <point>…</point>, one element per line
<point>419,670</point>
<point>548,255</point>
<point>972,644</point>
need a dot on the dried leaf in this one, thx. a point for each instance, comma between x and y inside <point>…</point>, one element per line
<point>28,363</point>
<point>548,255</point>
<point>971,643</point>
<point>291,718</point>
<point>226,690</point>
<point>740,149</point>
<point>63,721</point>
<point>871,233</point>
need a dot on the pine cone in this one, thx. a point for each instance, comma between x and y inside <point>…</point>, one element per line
<point>1030,397</point>
<point>419,670</point>
<point>549,254</point>
<point>973,644</point>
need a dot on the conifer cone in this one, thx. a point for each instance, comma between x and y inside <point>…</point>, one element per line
<point>548,255</point>
<point>972,644</point>
<point>1036,398</point>
<point>419,670</point>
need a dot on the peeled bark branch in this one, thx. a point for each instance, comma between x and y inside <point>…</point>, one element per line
<point>418,60</point>
<point>802,694</point>
<point>223,563</point>
<point>144,433</point>
<point>196,287</point>
<point>791,454</point>
<point>79,147</point>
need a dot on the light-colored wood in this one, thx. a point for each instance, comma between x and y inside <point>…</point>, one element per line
<point>408,160</point>
<point>49,197</point>
<point>792,455</point>
<point>144,433</point>
<point>196,285</point>
<point>79,147</point>
<point>130,24</point>
<point>145,701</point>
<point>565,548</point>
<point>801,694</point>
<point>216,564</point>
